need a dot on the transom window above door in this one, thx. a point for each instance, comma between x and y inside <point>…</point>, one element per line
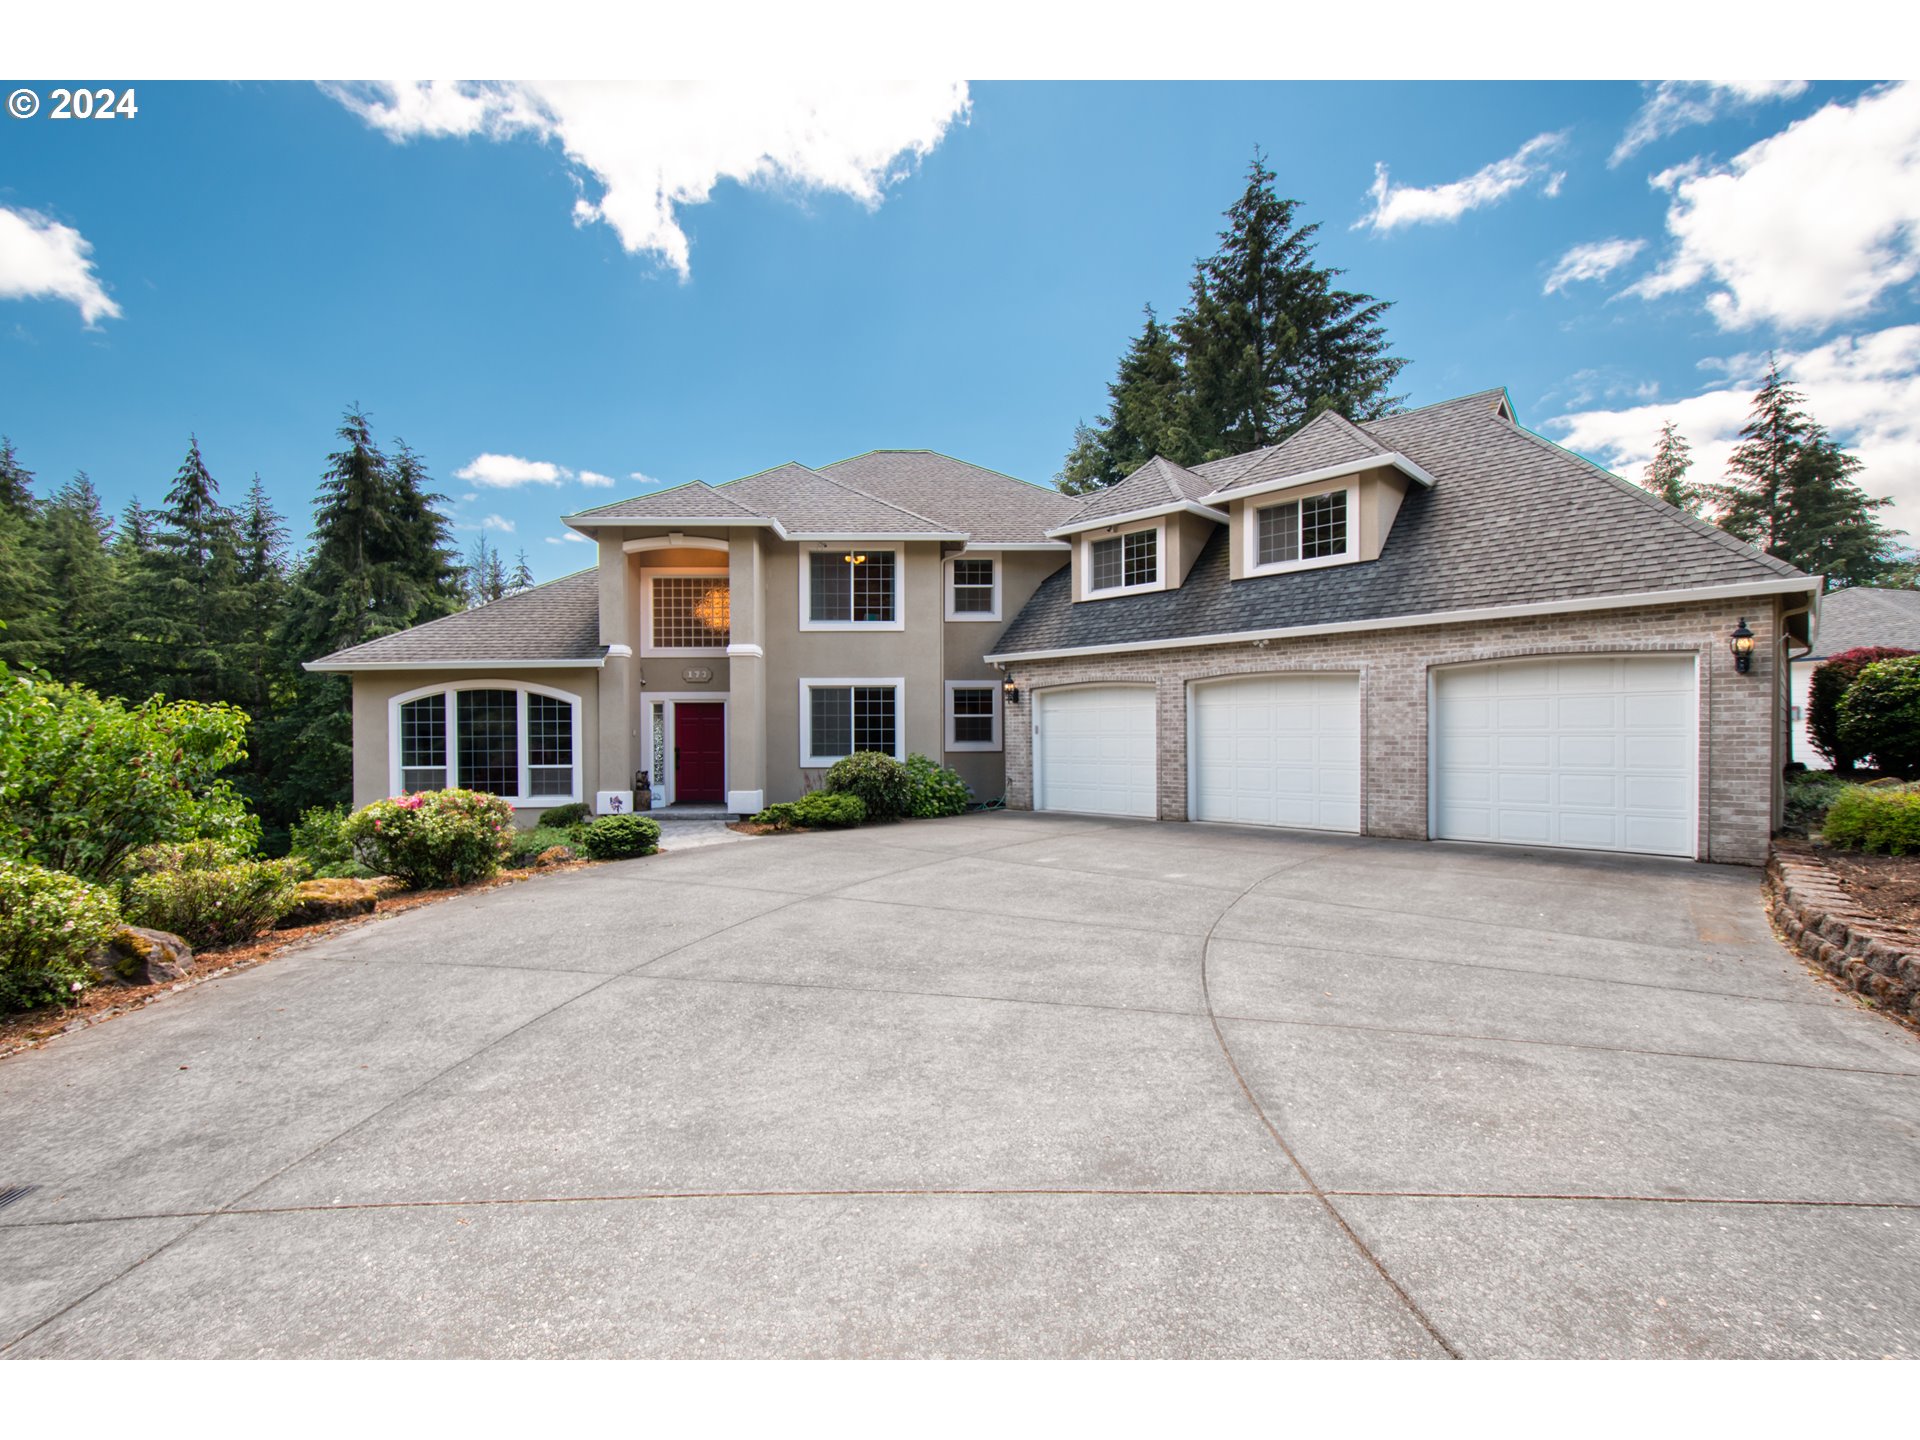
<point>850,587</point>
<point>1124,562</point>
<point>688,614</point>
<point>1298,533</point>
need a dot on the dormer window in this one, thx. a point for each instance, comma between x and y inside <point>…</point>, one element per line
<point>1120,563</point>
<point>1300,534</point>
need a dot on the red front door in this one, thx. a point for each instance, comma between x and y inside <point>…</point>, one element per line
<point>699,753</point>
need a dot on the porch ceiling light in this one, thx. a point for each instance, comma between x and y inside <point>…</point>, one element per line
<point>1742,646</point>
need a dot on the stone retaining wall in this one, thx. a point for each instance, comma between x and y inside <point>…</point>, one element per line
<point>1818,917</point>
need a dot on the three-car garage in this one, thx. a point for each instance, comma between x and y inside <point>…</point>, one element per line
<point>1582,752</point>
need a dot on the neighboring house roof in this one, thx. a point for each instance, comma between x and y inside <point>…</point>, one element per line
<point>1513,520</point>
<point>992,508</point>
<point>1860,616</point>
<point>1156,488</point>
<point>557,623</point>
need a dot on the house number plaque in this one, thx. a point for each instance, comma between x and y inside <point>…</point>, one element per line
<point>696,675</point>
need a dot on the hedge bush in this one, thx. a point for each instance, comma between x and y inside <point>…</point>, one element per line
<point>1880,716</point>
<point>565,817</point>
<point>86,781</point>
<point>933,789</point>
<point>620,837</point>
<point>879,780</point>
<point>437,838</point>
<point>320,839</point>
<point>210,906</point>
<point>1886,819</point>
<point>48,923</point>
<point>1830,682</point>
<point>818,811</point>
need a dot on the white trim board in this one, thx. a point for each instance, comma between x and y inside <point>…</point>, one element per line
<point>1783,586</point>
<point>1393,459</point>
<point>482,663</point>
<point>1150,512</point>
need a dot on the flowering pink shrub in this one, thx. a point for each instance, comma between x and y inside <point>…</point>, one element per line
<point>48,923</point>
<point>438,837</point>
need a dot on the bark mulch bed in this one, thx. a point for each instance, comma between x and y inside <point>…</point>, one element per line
<point>33,1028</point>
<point>1886,888</point>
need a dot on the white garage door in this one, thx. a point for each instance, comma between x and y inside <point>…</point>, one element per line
<point>1095,751</point>
<point>1278,750</point>
<point>1588,754</point>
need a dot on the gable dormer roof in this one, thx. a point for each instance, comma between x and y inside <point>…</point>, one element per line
<point>1158,487</point>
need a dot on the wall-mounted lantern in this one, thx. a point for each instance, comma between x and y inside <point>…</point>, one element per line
<point>1742,646</point>
<point>1010,690</point>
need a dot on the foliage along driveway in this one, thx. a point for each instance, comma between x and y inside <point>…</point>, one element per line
<point>998,1085</point>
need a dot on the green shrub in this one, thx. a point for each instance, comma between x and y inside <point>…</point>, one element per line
<point>439,837</point>
<point>1831,680</point>
<point>85,781</point>
<point>320,839</point>
<point>933,789</point>
<point>565,817</point>
<point>527,846</point>
<point>822,810</point>
<point>1886,819</point>
<point>48,923</point>
<point>1880,716</point>
<point>879,780</point>
<point>620,837</point>
<point>193,855</point>
<point>212,906</point>
<point>1809,794</point>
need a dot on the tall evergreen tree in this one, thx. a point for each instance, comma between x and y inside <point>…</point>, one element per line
<point>183,608</point>
<point>263,537</point>
<point>1268,341</point>
<point>26,636</point>
<point>522,576</point>
<point>1789,489</point>
<point>486,577</point>
<point>80,574</point>
<point>134,534</point>
<point>16,481</point>
<point>1667,472</point>
<point>1146,416</point>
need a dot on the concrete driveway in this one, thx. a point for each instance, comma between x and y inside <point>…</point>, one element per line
<point>999,1085</point>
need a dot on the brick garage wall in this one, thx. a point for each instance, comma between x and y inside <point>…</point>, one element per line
<point>1741,725</point>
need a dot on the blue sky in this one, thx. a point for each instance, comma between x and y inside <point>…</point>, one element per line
<point>497,273</point>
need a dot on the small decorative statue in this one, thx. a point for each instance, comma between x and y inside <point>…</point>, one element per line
<point>642,791</point>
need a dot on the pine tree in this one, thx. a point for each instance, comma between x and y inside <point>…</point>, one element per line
<point>1789,489</point>
<point>80,574</point>
<point>134,534</point>
<point>1269,340</point>
<point>263,538</point>
<point>1667,472</point>
<point>522,576</point>
<point>1146,416</point>
<point>486,573</point>
<point>183,607</point>
<point>27,637</point>
<point>16,482</point>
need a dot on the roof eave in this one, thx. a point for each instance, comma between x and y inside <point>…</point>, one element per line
<point>327,665</point>
<point>588,522</point>
<point>1325,472</point>
<point>1152,512</point>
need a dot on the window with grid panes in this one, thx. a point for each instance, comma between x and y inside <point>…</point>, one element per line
<point>549,746</point>
<point>1123,561</point>
<point>847,718</point>
<point>487,740</point>
<point>1310,529</point>
<point>691,612</point>
<point>853,587</point>
<point>423,744</point>
<point>972,714</point>
<point>973,587</point>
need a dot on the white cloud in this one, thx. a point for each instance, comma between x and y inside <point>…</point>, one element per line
<point>503,472</point>
<point>570,538</point>
<point>1396,205</point>
<point>41,259</point>
<point>595,479</point>
<point>496,522</point>
<point>1864,388</point>
<point>1593,261</point>
<point>1673,105</point>
<point>643,479</point>
<point>650,149</point>
<point>1808,227</point>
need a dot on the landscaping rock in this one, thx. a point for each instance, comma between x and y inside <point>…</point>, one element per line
<point>319,900</point>
<point>139,956</point>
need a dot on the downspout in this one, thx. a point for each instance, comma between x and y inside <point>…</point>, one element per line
<point>1812,610</point>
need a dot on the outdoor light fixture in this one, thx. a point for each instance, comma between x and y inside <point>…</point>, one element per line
<point>854,559</point>
<point>1010,690</point>
<point>1742,646</point>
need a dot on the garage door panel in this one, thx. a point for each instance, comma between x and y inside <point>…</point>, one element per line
<point>1590,753</point>
<point>1295,745</point>
<point>1096,751</point>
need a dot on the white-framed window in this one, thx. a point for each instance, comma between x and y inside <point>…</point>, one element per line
<point>1126,563</point>
<point>508,738</point>
<point>1302,533</point>
<point>851,587</point>
<point>841,716</point>
<point>973,587</point>
<point>685,612</point>
<point>973,715</point>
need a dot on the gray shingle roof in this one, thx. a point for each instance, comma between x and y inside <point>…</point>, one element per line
<point>1155,484</point>
<point>1859,616</point>
<point>990,507</point>
<point>1513,519</point>
<point>1327,439</point>
<point>559,620</point>
<point>694,500</point>
<point>805,502</point>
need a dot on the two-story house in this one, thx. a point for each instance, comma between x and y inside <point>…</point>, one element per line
<point>1436,625</point>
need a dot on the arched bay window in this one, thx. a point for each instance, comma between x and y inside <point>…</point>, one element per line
<point>501,737</point>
